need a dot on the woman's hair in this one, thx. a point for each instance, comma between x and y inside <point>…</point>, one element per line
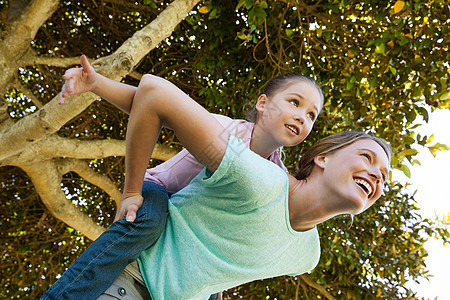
<point>279,82</point>
<point>331,144</point>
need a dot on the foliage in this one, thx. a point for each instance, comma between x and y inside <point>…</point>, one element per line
<point>382,66</point>
<point>33,244</point>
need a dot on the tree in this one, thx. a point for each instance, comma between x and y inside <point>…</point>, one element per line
<point>382,68</point>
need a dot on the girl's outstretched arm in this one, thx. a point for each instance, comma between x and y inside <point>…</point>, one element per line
<point>157,103</point>
<point>85,79</point>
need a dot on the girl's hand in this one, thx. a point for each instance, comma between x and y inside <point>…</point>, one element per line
<point>129,205</point>
<point>78,80</point>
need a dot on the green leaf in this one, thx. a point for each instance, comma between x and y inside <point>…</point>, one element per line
<point>418,60</point>
<point>424,113</point>
<point>260,15</point>
<point>411,115</point>
<point>319,32</point>
<point>438,147</point>
<point>349,85</point>
<point>406,171</point>
<point>393,70</point>
<point>404,41</point>
<point>380,48</point>
<point>409,152</point>
<point>249,3</point>
<point>242,36</point>
<point>289,32</point>
<point>239,5</point>
<point>415,162</point>
<point>445,96</point>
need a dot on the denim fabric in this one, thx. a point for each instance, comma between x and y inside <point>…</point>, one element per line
<point>105,259</point>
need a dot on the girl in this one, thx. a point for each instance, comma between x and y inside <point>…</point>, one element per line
<point>285,114</point>
<point>264,219</point>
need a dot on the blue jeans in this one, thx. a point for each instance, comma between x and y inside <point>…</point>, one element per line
<point>105,259</point>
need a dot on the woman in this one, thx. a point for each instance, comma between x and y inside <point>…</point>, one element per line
<point>283,116</point>
<point>242,218</point>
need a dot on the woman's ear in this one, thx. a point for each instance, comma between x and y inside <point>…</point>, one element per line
<point>321,161</point>
<point>261,103</point>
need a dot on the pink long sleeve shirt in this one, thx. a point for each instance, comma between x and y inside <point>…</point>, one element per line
<point>177,172</point>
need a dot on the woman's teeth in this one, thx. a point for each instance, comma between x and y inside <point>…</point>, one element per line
<point>365,185</point>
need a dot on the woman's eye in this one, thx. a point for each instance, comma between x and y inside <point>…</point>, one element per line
<point>384,176</point>
<point>366,156</point>
<point>312,116</point>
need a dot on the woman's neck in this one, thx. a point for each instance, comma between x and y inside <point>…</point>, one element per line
<point>309,203</point>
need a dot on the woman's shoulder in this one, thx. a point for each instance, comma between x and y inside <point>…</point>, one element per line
<point>242,165</point>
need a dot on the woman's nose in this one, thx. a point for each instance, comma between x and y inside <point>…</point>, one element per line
<point>375,173</point>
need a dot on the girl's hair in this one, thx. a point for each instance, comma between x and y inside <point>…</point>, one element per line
<point>279,82</point>
<point>331,144</point>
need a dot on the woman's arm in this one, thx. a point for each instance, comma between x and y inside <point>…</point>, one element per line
<point>158,103</point>
<point>85,79</point>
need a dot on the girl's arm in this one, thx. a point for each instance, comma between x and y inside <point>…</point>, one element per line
<point>84,79</point>
<point>158,103</point>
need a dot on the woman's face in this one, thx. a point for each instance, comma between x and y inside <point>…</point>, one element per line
<point>356,174</point>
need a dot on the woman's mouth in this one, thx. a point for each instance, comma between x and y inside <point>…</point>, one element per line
<point>364,185</point>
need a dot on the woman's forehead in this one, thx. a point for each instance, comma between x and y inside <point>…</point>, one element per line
<point>372,146</point>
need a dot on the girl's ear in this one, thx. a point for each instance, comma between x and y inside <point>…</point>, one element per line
<point>321,161</point>
<point>261,103</point>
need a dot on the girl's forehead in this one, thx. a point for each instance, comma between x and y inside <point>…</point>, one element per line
<point>302,88</point>
<point>298,83</point>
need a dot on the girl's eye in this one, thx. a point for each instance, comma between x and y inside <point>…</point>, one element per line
<point>312,116</point>
<point>294,102</point>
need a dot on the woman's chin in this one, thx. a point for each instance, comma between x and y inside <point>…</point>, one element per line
<point>356,205</point>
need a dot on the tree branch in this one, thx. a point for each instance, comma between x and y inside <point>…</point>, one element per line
<point>133,50</point>
<point>44,122</point>
<point>29,94</point>
<point>56,146</point>
<point>136,75</point>
<point>82,168</point>
<point>46,179</point>
<point>322,289</point>
<point>62,62</point>
<point>24,28</point>
<point>5,120</point>
<point>52,116</point>
<point>304,289</point>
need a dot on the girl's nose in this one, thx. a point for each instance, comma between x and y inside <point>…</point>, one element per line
<point>300,118</point>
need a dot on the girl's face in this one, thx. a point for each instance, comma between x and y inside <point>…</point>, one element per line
<point>355,174</point>
<point>288,116</point>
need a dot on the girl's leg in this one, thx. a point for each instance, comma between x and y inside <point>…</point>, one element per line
<point>131,286</point>
<point>105,259</point>
<point>127,286</point>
